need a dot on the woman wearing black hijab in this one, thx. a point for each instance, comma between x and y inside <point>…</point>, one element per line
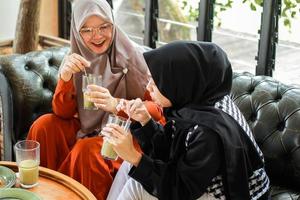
<point>206,147</point>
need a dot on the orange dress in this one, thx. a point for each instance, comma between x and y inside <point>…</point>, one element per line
<point>78,158</point>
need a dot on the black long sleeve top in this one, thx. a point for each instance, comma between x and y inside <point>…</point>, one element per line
<point>168,172</point>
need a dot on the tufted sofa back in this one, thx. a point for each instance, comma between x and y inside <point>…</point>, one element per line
<point>32,79</point>
<point>272,110</point>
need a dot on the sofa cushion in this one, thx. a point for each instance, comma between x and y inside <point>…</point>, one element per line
<point>272,110</point>
<point>283,193</point>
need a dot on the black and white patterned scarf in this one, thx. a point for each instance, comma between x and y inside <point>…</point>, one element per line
<point>259,181</point>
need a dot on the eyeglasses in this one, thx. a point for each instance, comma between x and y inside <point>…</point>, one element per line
<point>89,32</point>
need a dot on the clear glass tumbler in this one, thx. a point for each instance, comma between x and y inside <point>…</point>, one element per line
<point>107,150</point>
<point>28,161</point>
<point>89,79</point>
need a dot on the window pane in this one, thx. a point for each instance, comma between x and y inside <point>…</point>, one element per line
<point>174,22</point>
<point>171,30</point>
<point>238,34</point>
<point>129,16</point>
<point>135,6</point>
<point>287,67</point>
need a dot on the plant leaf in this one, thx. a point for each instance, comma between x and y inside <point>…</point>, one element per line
<point>253,7</point>
<point>287,23</point>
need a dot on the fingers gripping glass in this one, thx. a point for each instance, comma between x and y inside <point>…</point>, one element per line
<point>107,150</point>
<point>89,32</point>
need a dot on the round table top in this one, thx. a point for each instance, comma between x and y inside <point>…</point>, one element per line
<point>55,186</point>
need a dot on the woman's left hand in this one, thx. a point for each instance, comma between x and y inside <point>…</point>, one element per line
<point>137,110</point>
<point>122,143</point>
<point>102,98</point>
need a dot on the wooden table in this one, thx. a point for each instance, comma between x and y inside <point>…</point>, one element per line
<point>55,186</point>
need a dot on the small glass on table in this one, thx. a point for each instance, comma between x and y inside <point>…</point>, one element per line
<point>89,79</point>
<point>28,161</point>
<point>107,150</point>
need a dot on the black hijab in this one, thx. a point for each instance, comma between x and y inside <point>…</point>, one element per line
<point>199,76</point>
<point>194,76</point>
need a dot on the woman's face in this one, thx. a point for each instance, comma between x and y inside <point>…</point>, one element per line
<point>156,96</point>
<point>97,34</point>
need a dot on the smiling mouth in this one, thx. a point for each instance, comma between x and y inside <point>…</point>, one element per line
<point>100,43</point>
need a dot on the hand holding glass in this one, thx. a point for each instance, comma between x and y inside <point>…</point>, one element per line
<point>107,150</point>
<point>89,79</point>
<point>28,161</point>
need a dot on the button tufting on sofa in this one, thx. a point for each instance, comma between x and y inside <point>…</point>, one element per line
<point>51,62</point>
<point>273,113</point>
<point>32,83</point>
<point>271,108</point>
<point>253,117</point>
<point>26,67</point>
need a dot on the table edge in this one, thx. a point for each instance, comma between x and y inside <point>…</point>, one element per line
<point>66,181</point>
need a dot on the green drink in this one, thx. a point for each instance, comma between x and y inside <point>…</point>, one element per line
<point>88,104</point>
<point>108,152</point>
<point>89,79</point>
<point>29,172</point>
<point>28,160</point>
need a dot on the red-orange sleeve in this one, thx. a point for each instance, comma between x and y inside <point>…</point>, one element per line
<point>64,102</point>
<point>155,111</point>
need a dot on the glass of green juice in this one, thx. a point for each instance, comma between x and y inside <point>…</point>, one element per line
<point>107,150</point>
<point>28,161</point>
<point>89,79</point>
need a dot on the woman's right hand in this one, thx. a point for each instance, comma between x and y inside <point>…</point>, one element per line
<point>72,64</point>
<point>102,98</point>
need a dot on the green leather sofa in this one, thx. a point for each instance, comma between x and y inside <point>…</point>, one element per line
<point>272,109</point>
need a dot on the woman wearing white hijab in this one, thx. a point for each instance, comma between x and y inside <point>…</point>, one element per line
<point>99,47</point>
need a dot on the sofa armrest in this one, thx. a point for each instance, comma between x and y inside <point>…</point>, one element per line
<point>32,79</point>
<point>6,119</point>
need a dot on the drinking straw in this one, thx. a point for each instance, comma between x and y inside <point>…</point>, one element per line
<point>128,119</point>
<point>87,78</point>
